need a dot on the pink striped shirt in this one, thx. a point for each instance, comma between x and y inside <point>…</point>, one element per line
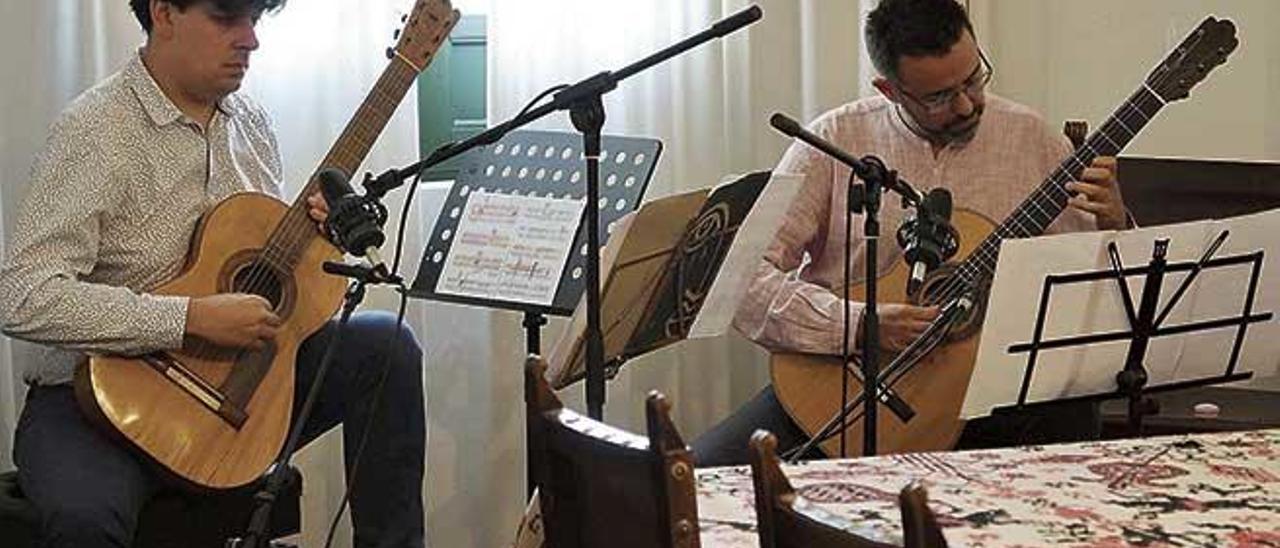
<point>792,303</point>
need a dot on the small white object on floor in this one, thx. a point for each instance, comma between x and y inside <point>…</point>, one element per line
<point>1206,410</point>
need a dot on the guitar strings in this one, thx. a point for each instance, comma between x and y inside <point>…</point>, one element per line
<point>968,274</point>
<point>297,225</point>
<point>275,256</point>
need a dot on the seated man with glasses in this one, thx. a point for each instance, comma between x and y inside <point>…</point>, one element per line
<point>935,123</point>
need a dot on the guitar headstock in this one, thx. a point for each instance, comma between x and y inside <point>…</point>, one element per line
<point>1207,47</point>
<point>425,29</point>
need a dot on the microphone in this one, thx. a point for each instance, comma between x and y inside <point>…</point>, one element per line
<point>927,238</point>
<point>737,21</point>
<point>792,128</point>
<point>354,222</point>
<point>861,168</point>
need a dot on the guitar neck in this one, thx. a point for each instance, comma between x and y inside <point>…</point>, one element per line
<point>297,230</point>
<point>1043,206</point>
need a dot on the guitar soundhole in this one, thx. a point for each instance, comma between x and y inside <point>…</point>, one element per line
<point>260,279</point>
<point>939,287</point>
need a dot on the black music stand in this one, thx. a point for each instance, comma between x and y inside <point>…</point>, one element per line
<point>1145,325</point>
<point>547,164</point>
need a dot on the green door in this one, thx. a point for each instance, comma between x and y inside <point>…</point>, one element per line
<point>451,93</point>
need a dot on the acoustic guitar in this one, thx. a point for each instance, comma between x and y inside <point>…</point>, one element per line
<point>933,376</point>
<point>215,417</point>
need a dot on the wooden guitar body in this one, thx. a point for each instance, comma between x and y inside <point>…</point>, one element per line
<point>809,385</point>
<point>196,411</point>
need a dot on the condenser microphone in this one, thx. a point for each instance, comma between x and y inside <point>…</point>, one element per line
<point>928,240</point>
<point>354,222</point>
<point>737,21</point>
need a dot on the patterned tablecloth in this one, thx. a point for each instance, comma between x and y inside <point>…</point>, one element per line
<point>1213,490</point>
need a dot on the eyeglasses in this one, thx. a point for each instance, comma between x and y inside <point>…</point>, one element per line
<point>936,103</point>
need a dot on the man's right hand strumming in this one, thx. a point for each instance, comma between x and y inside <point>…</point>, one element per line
<point>900,324</point>
<point>235,320</point>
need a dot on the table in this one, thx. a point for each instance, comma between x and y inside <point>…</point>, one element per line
<point>1219,489</point>
<point>1240,409</point>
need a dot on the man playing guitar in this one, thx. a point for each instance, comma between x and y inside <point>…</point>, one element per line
<point>128,170</point>
<point>936,125</point>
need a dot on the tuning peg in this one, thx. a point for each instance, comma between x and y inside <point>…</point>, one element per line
<point>404,18</point>
<point>391,53</point>
<point>395,35</point>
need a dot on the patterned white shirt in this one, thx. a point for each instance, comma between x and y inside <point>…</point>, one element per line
<point>114,200</point>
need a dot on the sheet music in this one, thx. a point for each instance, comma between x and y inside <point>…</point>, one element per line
<point>1095,307</point>
<point>511,248</point>
<point>739,266</point>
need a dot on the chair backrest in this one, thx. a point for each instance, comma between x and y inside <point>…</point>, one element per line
<point>602,486</point>
<point>919,525</point>
<point>786,520</point>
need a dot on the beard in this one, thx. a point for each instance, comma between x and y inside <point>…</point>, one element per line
<point>962,129</point>
<point>957,131</point>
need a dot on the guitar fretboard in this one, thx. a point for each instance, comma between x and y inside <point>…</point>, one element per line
<point>297,230</point>
<point>1039,210</point>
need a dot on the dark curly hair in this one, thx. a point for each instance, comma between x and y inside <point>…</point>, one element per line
<point>913,28</point>
<point>142,8</point>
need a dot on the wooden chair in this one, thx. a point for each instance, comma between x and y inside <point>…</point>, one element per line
<point>786,520</point>
<point>919,525</point>
<point>601,486</point>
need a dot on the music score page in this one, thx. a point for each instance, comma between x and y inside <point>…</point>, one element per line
<point>511,248</point>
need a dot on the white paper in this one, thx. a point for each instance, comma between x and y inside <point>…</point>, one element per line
<point>754,235</point>
<point>1096,307</point>
<point>511,248</point>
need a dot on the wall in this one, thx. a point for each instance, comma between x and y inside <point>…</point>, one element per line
<point>1081,59</point>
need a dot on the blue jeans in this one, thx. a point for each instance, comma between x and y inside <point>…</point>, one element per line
<point>91,489</point>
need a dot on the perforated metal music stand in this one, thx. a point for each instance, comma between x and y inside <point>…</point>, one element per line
<point>543,164</point>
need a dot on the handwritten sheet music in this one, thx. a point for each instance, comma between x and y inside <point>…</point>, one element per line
<point>511,248</point>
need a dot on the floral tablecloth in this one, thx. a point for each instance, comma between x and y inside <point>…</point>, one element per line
<point>1211,490</point>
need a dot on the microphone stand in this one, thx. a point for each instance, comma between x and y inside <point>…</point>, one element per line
<point>865,199</point>
<point>256,533</point>
<point>584,101</point>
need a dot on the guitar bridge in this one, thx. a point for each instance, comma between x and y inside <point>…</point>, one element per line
<point>195,386</point>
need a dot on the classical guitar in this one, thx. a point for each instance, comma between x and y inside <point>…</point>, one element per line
<point>933,378</point>
<point>216,417</point>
